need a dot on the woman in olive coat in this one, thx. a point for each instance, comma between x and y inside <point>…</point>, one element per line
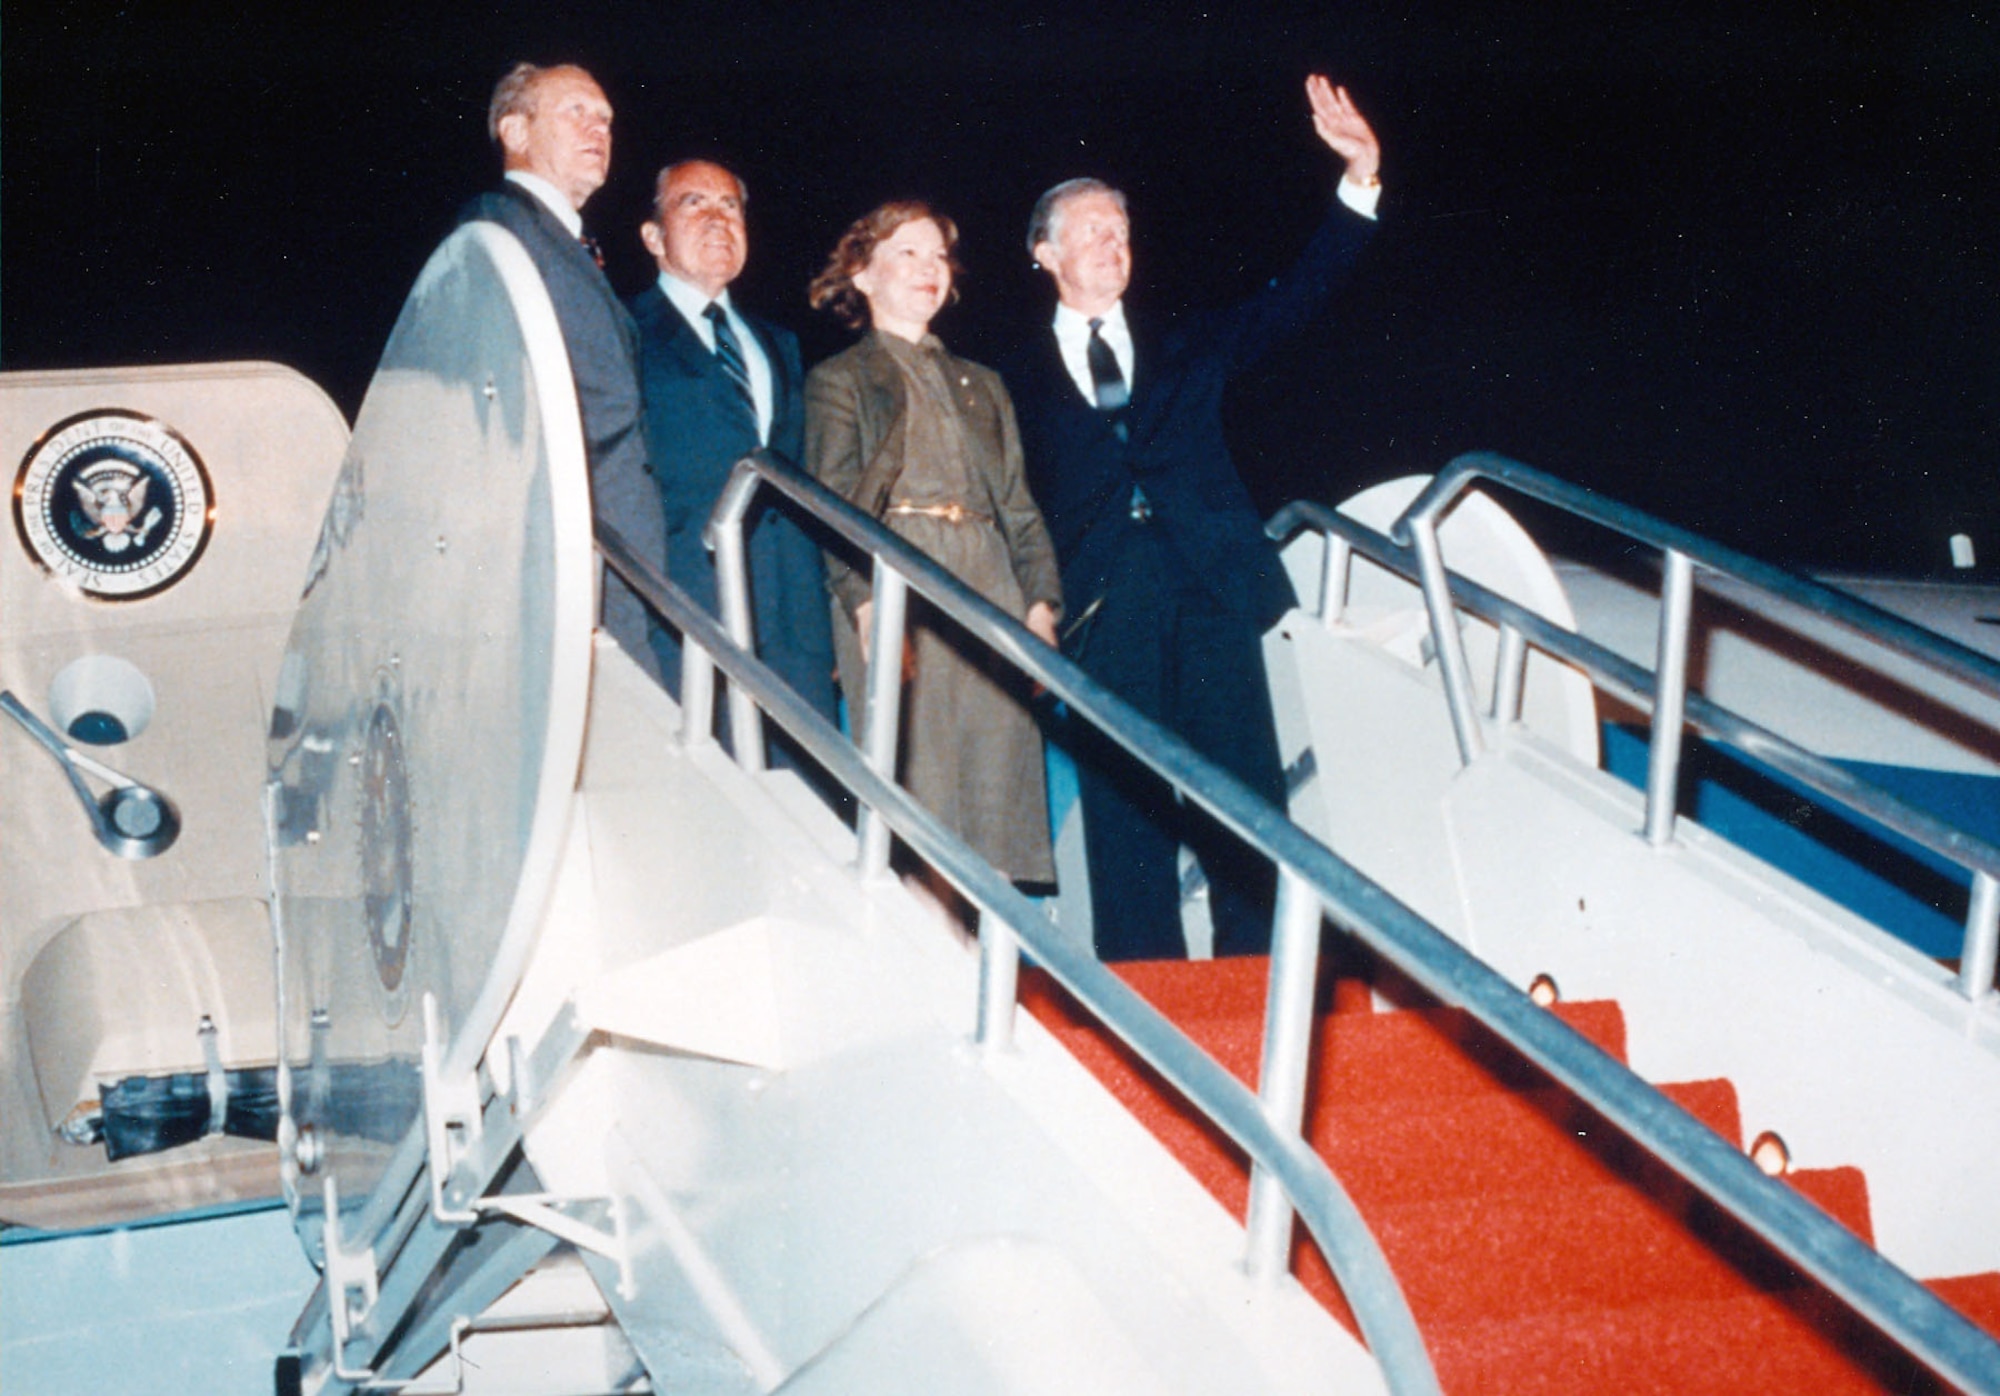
<point>926,442</point>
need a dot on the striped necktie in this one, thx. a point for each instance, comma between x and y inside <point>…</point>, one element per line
<point>729,353</point>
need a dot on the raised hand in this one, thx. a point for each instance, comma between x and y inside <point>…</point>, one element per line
<point>1344,129</point>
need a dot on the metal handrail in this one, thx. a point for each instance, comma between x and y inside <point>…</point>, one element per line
<point>1634,684</point>
<point>1881,1292</point>
<point>1902,636</point>
<point>1665,693</point>
<point>1309,873</point>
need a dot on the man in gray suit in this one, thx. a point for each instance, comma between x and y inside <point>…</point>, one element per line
<point>719,383</point>
<point>553,127</point>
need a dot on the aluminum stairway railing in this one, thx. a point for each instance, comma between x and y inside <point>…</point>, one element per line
<point>1663,692</point>
<point>1881,1292</point>
<point>1313,884</point>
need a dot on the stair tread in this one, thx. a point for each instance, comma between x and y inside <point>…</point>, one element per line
<point>1586,1247</point>
<point>1532,1141</point>
<point>1360,1055</point>
<point>1842,1193</point>
<point>1746,1344</point>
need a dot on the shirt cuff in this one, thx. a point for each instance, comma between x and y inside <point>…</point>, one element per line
<point>1362,198</point>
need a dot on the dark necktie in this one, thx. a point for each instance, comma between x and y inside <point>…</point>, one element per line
<point>1112,394</point>
<point>729,354</point>
<point>590,246</point>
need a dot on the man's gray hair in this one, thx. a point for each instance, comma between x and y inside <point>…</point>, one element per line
<point>515,92</point>
<point>667,172</point>
<point>1046,221</point>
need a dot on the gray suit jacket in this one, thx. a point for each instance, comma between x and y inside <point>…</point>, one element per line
<point>604,361</point>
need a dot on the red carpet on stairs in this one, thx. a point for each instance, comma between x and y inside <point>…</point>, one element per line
<point>1540,1251</point>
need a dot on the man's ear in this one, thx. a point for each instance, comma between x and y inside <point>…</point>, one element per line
<point>655,238</point>
<point>514,133</point>
<point>1045,256</point>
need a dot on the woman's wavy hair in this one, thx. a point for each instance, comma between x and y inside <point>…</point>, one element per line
<point>834,290</point>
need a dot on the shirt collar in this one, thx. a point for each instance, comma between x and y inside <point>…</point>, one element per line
<point>550,199</point>
<point>1074,324</point>
<point>692,301</point>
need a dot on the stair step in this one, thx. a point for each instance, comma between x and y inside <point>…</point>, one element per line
<point>1842,1193</point>
<point>1438,1051</point>
<point>1188,989</point>
<point>1750,1345</point>
<point>1537,1141</point>
<point>1607,1246</point>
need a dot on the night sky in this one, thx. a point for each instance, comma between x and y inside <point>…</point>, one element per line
<point>1734,263</point>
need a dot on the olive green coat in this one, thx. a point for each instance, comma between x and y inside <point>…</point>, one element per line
<point>889,422</point>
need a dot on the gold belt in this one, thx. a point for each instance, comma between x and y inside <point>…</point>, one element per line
<point>950,513</point>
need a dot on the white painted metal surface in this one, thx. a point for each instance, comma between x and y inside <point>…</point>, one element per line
<point>1816,682</point>
<point>425,742</point>
<point>848,1180</point>
<point>193,669</point>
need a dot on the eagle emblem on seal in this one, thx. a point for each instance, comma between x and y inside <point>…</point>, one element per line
<point>113,498</point>
<point>113,503</point>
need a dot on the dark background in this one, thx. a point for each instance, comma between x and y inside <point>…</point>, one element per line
<point>1732,263</point>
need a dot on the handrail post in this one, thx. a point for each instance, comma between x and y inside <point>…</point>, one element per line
<point>697,695</point>
<point>1336,569</point>
<point>999,981</point>
<point>1663,762</point>
<point>725,537</point>
<point>1510,673</point>
<point>1982,938</point>
<point>1281,1076</point>
<point>881,721</point>
<point>1447,639</point>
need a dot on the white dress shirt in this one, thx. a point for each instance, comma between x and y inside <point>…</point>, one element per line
<point>692,303</point>
<point>1073,339</point>
<point>551,199</point>
<point>1073,328</point>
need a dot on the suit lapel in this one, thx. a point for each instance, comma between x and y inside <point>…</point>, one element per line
<point>681,351</point>
<point>693,357</point>
<point>552,227</point>
<point>1145,366</point>
<point>781,386</point>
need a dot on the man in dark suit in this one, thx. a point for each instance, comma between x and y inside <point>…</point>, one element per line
<point>718,384</point>
<point>1168,577</point>
<point>553,127</point>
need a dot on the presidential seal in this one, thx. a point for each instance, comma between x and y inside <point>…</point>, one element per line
<point>115,503</point>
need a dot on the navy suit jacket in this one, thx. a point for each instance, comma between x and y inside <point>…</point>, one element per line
<point>604,360</point>
<point>697,429</point>
<point>1082,475</point>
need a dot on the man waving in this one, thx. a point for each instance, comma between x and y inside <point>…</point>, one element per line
<point>1163,559</point>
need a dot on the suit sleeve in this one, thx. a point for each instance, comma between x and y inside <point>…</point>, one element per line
<point>1243,334</point>
<point>1020,521</point>
<point>833,457</point>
